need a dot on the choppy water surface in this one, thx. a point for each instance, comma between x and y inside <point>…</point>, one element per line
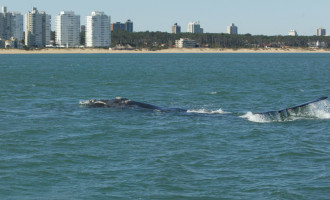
<point>53,147</point>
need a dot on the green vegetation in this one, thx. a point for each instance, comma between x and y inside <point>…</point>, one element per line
<point>162,40</point>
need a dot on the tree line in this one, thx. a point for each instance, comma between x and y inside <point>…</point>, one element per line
<point>159,40</point>
<point>163,40</point>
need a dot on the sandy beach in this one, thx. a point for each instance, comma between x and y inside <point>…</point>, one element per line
<point>172,50</point>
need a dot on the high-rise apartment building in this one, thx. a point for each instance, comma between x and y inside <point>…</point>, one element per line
<point>194,27</point>
<point>82,28</point>
<point>98,32</point>
<point>232,29</point>
<point>11,25</point>
<point>293,33</point>
<point>5,24</point>
<point>176,28</point>
<point>67,29</point>
<point>117,26</point>
<point>37,28</point>
<point>320,32</point>
<point>129,26</point>
<point>17,31</point>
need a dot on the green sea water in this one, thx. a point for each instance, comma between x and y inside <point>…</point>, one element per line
<point>54,147</point>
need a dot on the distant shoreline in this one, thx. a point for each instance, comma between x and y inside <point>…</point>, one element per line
<point>172,50</point>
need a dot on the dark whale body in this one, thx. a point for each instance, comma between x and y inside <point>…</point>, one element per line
<point>119,102</point>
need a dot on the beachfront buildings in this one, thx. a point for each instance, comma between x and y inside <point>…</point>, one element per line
<point>11,25</point>
<point>194,27</point>
<point>185,43</point>
<point>232,29</point>
<point>176,28</point>
<point>98,32</point>
<point>320,32</point>
<point>37,28</point>
<point>67,29</point>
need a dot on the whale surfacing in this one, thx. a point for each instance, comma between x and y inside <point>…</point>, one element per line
<point>283,113</point>
<point>120,102</point>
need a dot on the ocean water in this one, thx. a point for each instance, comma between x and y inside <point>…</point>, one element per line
<point>52,146</point>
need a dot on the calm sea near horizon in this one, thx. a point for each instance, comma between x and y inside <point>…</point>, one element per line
<point>52,146</point>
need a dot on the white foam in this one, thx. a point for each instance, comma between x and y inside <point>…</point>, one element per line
<point>259,118</point>
<point>84,103</point>
<point>205,111</point>
<point>319,110</point>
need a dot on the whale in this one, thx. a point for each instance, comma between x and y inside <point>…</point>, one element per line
<point>120,102</point>
<point>286,112</point>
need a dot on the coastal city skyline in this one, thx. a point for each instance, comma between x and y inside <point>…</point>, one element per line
<point>255,17</point>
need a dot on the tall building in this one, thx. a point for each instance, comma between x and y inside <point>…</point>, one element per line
<point>194,27</point>
<point>82,28</point>
<point>37,28</point>
<point>293,33</point>
<point>117,26</point>
<point>232,29</point>
<point>176,28</point>
<point>129,26</point>
<point>11,25</point>
<point>17,31</point>
<point>5,24</point>
<point>320,32</point>
<point>67,29</point>
<point>98,32</point>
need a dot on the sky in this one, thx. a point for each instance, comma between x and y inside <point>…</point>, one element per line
<point>256,17</point>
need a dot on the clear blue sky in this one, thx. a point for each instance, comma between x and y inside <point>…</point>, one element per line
<point>267,17</point>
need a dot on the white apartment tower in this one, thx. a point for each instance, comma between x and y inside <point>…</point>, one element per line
<point>293,33</point>
<point>67,29</point>
<point>37,28</point>
<point>320,32</point>
<point>232,29</point>
<point>11,25</point>
<point>98,32</point>
<point>195,27</point>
